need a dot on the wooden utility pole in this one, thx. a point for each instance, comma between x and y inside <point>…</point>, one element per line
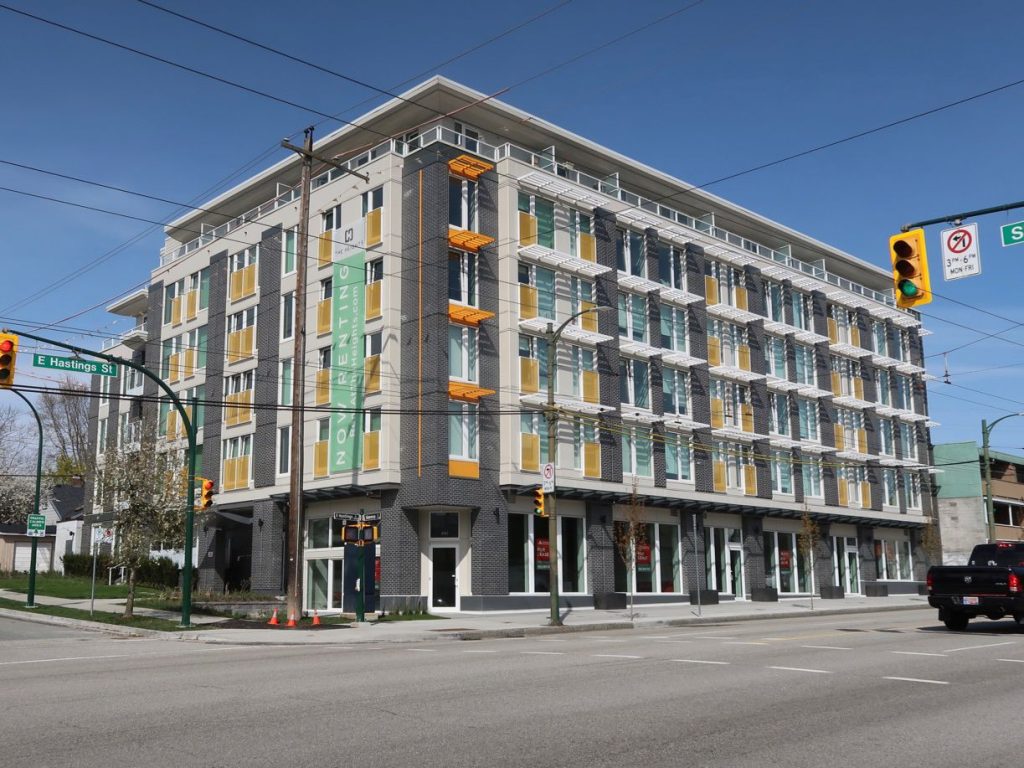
<point>293,573</point>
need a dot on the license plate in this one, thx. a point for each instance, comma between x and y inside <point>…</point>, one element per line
<point>968,600</point>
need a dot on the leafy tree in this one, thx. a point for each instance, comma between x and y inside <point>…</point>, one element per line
<point>146,490</point>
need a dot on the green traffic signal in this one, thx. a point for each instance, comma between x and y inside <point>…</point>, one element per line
<point>908,288</point>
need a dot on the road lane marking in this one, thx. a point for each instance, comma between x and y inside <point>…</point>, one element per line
<point>422,650</point>
<point>550,640</point>
<point>699,661</point>
<point>744,642</point>
<point>917,680</point>
<point>655,637</point>
<point>479,651</point>
<point>975,647</point>
<point>802,669</point>
<point>827,647</point>
<point>613,656</point>
<point>1014,661</point>
<point>715,637</point>
<point>127,655</point>
<point>673,641</point>
<point>69,658</point>
<point>542,653</point>
<point>918,653</point>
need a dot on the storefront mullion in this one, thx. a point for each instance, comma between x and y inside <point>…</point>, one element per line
<point>529,554</point>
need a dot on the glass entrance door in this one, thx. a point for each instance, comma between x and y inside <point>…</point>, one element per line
<point>443,578</point>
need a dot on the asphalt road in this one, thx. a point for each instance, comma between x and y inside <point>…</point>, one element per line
<point>865,690</point>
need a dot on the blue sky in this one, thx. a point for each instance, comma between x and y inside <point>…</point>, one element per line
<point>718,88</point>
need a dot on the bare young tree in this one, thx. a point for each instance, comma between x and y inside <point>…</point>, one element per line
<point>807,540</point>
<point>146,490</point>
<point>65,415</point>
<point>18,445</point>
<point>630,535</point>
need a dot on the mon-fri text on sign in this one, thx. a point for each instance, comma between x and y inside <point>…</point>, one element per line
<point>74,365</point>
<point>961,254</point>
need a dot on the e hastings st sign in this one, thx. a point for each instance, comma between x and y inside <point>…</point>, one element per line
<point>74,365</point>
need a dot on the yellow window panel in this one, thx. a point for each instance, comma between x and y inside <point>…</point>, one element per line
<point>467,315</point>
<point>320,458</point>
<point>244,409</point>
<point>322,393</point>
<point>176,310</point>
<point>750,480</point>
<point>719,476</point>
<point>234,338</point>
<point>371,374</point>
<point>837,383</point>
<point>373,292</point>
<point>865,494</point>
<point>843,494</point>
<point>527,229</point>
<point>374,235</point>
<point>192,304</point>
<point>588,321</point>
<point>744,357</point>
<point>325,249</point>
<point>323,317</point>
<point>172,425</point>
<point>190,363</point>
<point>710,290</point>
<point>833,331</point>
<point>588,247</point>
<point>840,434</point>
<point>529,375</point>
<point>236,286</point>
<point>527,302</point>
<point>245,346</point>
<point>717,412</point>
<point>741,298</point>
<point>747,414</point>
<point>530,453</point>
<point>242,472</point>
<point>462,468</point>
<point>714,351</point>
<point>855,336</point>
<point>862,440</point>
<point>229,474</point>
<point>249,280</point>
<point>371,450</point>
<point>858,388</point>
<point>591,460</point>
<point>591,387</point>
<point>173,367</point>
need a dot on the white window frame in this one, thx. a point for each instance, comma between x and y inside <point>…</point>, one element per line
<point>467,348</point>
<point>465,417</point>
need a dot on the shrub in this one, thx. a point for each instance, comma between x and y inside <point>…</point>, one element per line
<point>158,572</point>
<point>81,565</point>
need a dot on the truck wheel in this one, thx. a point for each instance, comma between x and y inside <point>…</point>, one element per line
<point>956,622</point>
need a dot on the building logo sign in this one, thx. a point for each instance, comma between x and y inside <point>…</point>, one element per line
<point>348,322</point>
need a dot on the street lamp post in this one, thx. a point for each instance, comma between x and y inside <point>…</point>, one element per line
<point>986,430</point>
<point>550,503</point>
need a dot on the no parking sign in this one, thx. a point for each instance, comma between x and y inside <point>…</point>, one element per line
<point>961,254</point>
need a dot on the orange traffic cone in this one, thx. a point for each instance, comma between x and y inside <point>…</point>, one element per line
<point>273,619</point>
<point>291,621</point>
<point>316,618</point>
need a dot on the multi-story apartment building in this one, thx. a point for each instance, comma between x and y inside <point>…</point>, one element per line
<point>743,375</point>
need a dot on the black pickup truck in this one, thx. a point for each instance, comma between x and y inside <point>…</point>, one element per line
<point>990,585</point>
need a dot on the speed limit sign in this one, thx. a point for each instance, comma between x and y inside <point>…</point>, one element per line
<point>547,477</point>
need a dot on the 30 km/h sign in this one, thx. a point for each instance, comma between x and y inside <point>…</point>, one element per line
<point>961,255</point>
<point>1012,234</point>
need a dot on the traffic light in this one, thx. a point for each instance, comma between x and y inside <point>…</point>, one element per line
<point>8,357</point>
<point>368,533</point>
<point>910,269</point>
<point>205,493</point>
<point>350,533</point>
<point>538,502</point>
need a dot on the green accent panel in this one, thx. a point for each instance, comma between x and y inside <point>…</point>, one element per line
<point>961,470</point>
<point>347,323</point>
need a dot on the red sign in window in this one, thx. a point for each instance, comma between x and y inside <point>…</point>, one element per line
<point>643,556</point>
<point>785,559</point>
<point>543,551</point>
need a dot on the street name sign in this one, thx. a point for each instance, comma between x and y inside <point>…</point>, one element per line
<point>961,253</point>
<point>1013,234</point>
<point>74,365</point>
<point>36,525</point>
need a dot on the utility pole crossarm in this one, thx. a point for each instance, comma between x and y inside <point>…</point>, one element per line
<point>309,153</point>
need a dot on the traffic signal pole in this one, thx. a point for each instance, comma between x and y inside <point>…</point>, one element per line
<point>956,218</point>
<point>190,430</point>
<point>31,600</point>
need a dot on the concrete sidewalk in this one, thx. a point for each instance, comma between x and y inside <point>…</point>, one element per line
<point>465,626</point>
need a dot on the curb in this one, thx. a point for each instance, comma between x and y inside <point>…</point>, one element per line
<point>83,624</point>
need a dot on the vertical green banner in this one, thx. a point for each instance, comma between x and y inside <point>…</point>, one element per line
<point>347,323</point>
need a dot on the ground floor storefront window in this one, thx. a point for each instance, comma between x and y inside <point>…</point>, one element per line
<point>787,567</point>
<point>654,563</point>
<point>893,557</point>
<point>529,554</point>
<point>324,555</point>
